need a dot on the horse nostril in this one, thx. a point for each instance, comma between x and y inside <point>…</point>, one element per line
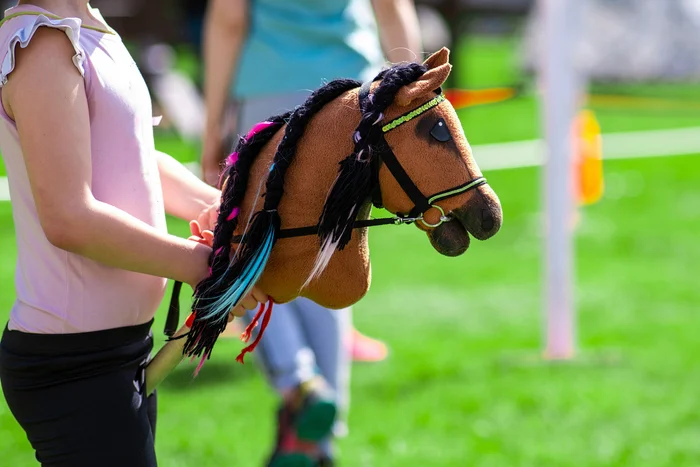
<point>486,220</point>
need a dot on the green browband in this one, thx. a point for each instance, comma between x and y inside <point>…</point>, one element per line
<point>413,113</point>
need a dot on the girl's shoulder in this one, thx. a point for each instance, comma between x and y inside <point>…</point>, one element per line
<point>19,25</point>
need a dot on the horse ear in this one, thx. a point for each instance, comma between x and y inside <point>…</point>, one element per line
<point>441,57</point>
<point>438,70</point>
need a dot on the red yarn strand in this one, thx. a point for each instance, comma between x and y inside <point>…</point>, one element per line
<point>266,320</point>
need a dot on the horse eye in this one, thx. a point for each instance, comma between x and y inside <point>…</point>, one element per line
<point>440,131</point>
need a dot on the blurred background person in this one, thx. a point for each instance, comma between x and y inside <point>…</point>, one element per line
<point>267,56</point>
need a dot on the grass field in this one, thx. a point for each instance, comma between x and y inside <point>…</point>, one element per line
<point>464,385</point>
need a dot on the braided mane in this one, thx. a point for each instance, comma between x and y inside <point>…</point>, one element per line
<point>233,276</point>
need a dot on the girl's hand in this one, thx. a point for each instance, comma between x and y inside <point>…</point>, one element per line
<point>199,235</point>
<point>208,217</point>
<point>249,302</point>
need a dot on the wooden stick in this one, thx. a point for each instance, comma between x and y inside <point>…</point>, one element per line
<point>165,361</point>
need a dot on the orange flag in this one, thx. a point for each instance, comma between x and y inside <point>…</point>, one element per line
<point>588,158</point>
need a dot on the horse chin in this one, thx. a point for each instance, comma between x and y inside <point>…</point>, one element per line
<point>449,238</point>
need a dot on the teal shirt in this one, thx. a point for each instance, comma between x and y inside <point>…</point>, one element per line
<point>297,45</point>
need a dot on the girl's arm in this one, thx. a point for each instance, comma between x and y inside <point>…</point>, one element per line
<point>399,30</point>
<point>185,195</point>
<point>225,29</point>
<point>45,95</point>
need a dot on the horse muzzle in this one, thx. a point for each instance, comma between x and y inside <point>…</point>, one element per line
<point>481,216</point>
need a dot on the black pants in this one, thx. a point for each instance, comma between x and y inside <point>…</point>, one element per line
<point>81,397</point>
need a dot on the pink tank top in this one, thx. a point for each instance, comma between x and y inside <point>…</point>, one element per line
<point>60,292</point>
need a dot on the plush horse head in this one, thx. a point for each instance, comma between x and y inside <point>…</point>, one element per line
<point>298,191</point>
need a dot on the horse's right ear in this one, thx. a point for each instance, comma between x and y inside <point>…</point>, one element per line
<point>441,57</point>
<point>439,68</point>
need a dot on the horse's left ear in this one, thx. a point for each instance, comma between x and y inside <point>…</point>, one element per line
<point>438,70</point>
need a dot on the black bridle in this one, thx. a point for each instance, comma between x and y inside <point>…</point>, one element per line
<point>383,154</point>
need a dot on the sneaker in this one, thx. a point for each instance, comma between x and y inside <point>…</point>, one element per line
<point>300,429</point>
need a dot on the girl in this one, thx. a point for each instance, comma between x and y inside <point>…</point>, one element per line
<point>89,195</point>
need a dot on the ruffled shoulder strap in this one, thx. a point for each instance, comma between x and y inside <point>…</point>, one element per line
<point>19,28</point>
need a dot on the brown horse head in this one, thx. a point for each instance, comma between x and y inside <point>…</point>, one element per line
<point>298,192</point>
<point>435,154</point>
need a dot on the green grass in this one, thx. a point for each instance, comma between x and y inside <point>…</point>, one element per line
<point>453,392</point>
<point>464,385</point>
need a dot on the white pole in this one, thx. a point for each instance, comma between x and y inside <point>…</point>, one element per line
<point>560,86</point>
